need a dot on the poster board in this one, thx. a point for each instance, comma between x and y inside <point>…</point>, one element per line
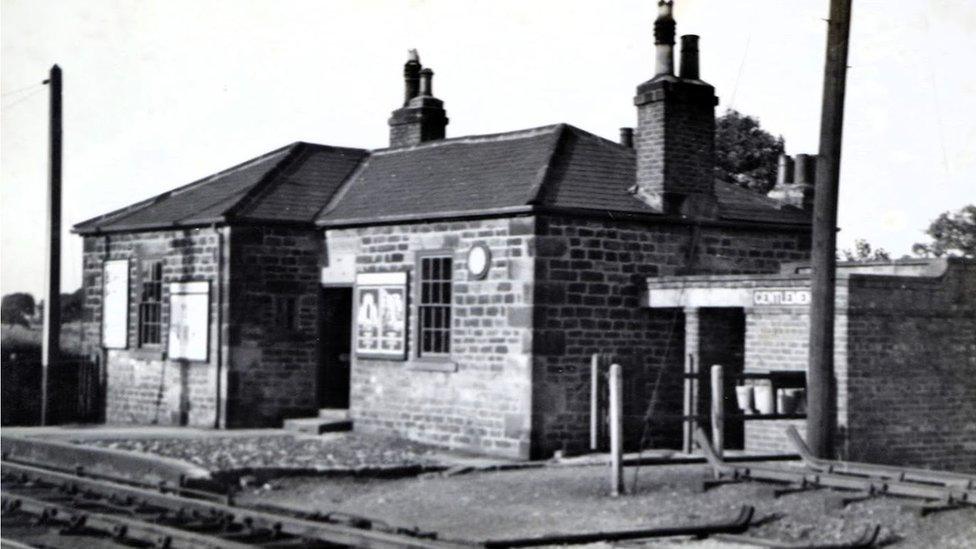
<point>381,315</point>
<point>115,304</point>
<point>189,320</point>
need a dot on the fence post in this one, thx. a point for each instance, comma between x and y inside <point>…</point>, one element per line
<point>595,402</point>
<point>718,409</point>
<point>616,431</point>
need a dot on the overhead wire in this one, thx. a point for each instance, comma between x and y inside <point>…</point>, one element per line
<point>21,99</point>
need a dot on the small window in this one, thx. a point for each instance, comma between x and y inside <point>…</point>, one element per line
<point>151,304</point>
<point>284,313</point>
<point>435,305</point>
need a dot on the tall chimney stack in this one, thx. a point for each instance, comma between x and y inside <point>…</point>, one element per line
<point>689,57</point>
<point>422,117</point>
<point>664,39</point>
<point>675,137</point>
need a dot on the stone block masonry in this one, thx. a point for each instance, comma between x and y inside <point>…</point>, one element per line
<point>273,325</point>
<point>912,369</point>
<point>143,385</point>
<point>480,397</point>
<point>589,277</point>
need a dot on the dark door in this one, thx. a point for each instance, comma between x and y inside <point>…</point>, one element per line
<point>334,340</point>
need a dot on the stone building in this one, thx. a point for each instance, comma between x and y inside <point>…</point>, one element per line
<point>904,353</point>
<point>451,290</point>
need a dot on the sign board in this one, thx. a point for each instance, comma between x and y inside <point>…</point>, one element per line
<point>780,298</point>
<point>189,320</point>
<point>381,315</point>
<point>115,304</point>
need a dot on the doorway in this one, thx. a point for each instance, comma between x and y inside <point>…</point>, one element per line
<point>723,338</point>
<point>335,337</point>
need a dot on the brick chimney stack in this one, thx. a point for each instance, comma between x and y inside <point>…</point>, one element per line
<point>675,137</point>
<point>422,117</point>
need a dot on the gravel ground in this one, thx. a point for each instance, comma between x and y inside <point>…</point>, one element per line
<point>335,452</point>
<point>534,502</point>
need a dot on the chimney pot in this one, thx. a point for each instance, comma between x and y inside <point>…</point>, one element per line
<point>664,39</point>
<point>627,137</point>
<point>784,170</point>
<point>411,76</point>
<point>427,83</point>
<point>805,169</point>
<point>689,57</point>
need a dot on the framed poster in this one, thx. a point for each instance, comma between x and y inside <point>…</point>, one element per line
<point>189,320</point>
<point>381,315</point>
<point>115,304</point>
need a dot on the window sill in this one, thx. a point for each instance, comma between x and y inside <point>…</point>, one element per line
<point>432,365</point>
<point>147,353</point>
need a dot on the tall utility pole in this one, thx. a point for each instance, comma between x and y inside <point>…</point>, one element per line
<point>51,344</point>
<point>821,385</point>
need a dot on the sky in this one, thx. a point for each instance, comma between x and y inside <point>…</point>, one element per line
<point>161,93</point>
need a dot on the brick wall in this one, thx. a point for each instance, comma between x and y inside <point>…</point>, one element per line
<point>481,398</point>
<point>675,142</point>
<point>143,386</point>
<point>590,274</point>
<point>912,348</point>
<point>273,372</point>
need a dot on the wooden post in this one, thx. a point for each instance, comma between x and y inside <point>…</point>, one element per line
<point>595,402</point>
<point>691,386</point>
<point>616,431</point>
<point>718,409</point>
<point>821,392</point>
<point>51,338</point>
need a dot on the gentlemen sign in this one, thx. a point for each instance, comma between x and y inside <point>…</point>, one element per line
<point>780,298</point>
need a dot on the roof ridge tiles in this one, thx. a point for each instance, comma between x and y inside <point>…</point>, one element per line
<point>474,139</point>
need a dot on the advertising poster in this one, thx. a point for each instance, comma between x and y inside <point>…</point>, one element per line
<point>381,315</point>
<point>189,320</point>
<point>115,304</point>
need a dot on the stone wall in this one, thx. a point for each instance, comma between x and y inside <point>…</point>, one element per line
<point>480,398</point>
<point>912,348</point>
<point>143,385</point>
<point>590,274</point>
<point>273,365</point>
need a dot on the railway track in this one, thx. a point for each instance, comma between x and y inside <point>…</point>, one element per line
<point>931,490</point>
<point>171,517</point>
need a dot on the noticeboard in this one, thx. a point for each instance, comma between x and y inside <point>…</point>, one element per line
<point>115,304</point>
<point>189,320</point>
<point>381,315</point>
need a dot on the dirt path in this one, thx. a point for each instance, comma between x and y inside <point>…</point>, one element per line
<point>534,502</point>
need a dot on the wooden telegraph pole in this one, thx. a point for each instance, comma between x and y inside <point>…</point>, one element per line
<point>51,344</point>
<point>821,388</point>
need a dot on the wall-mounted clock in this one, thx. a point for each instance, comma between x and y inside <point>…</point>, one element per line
<point>479,260</point>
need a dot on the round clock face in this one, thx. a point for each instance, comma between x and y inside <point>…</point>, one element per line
<point>478,259</point>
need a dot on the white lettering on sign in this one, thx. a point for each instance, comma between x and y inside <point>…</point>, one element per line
<point>780,297</point>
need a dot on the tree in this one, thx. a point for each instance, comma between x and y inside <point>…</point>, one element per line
<point>17,308</point>
<point>952,234</point>
<point>72,305</point>
<point>864,252</point>
<point>745,153</point>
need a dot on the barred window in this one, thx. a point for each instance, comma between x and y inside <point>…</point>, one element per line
<point>151,304</point>
<point>435,305</point>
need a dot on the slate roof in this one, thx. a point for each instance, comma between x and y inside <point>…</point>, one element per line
<point>557,166</point>
<point>287,185</point>
<point>553,167</point>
